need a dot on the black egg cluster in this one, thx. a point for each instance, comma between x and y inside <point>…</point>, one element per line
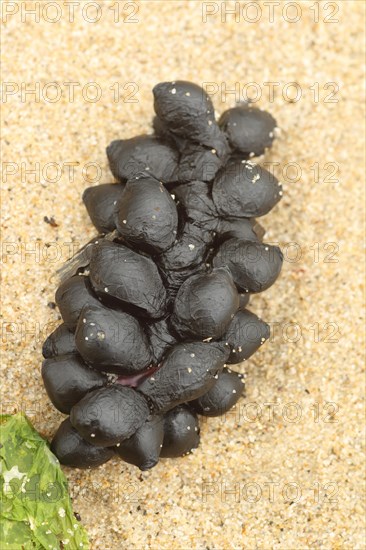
<point>156,310</point>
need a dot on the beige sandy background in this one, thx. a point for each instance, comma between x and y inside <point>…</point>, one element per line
<point>286,470</point>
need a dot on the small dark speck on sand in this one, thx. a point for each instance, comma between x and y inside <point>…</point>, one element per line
<point>51,221</point>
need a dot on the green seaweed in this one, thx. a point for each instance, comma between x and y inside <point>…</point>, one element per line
<point>36,509</point>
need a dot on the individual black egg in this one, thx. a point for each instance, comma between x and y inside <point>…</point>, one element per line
<point>187,111</point>
<point>239,228</point>
<point>198,163</point>
<point>100,202</point>
<point>71,296</point>
<point>181,432</point>
<point>196,201</point>
<point>72,450</point>
<point>188,251</point>
<point>129,157</point>
<point>187,371</point>
<point>60,342</point>
<point>205,305</point>
<point>246,333</point>
<point>254,266</point>
<point>109,415</point>
<point>112,341</point>
<point>161,339</point>
<point>245,190</point>
<point>248,129</point>
<point>67,379</point>
<point>147,216</point>
<point>225,393</point>
<point>143,447</point>
<point>132,279</point>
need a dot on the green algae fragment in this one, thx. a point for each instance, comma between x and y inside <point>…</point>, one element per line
<point>36,511</point>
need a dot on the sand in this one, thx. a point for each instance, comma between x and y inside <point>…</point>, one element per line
<point>286,469</point>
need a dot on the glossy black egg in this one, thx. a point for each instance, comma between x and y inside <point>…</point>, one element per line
<point>72,450</point>
<point>181,432</point>
<point>147,216</point>
<point>205,305</point>
<point>245,190</point>
<point>112,341</point>
<point>187,371</point>
<point>100,202</point>
<point>187,111</point>
<point>132,279</point>
<point>143,448</point>
<point>60,342</point>
<point>71,296</point>
<point>225,393</point>
<point>130,157</point>
<point>254,266</point>
<point>246,333</point>
<point>109,415</point>
<point>67,379</point>
<point>248,129</point>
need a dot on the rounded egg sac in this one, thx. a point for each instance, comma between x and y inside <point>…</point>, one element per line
<point>71,296</point>
<point>130,157</point>
<point>243,189</point>
<point>112,341</point>
<point>143,447</point>
<point>100,202</point>
<point>187,111</point>
<point>147,216</point>
<point>223,395</point>
<point>107,416</point>
<point>187,371</point>
<point>72,450</point>
<point>205,305</point>
<point>60,342</point>
<point>181,432</point>
<point>118,272</point>
<point>253,266</point>
<point>246,333</point>
<point>67,379</point>
<point>248,129</point>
